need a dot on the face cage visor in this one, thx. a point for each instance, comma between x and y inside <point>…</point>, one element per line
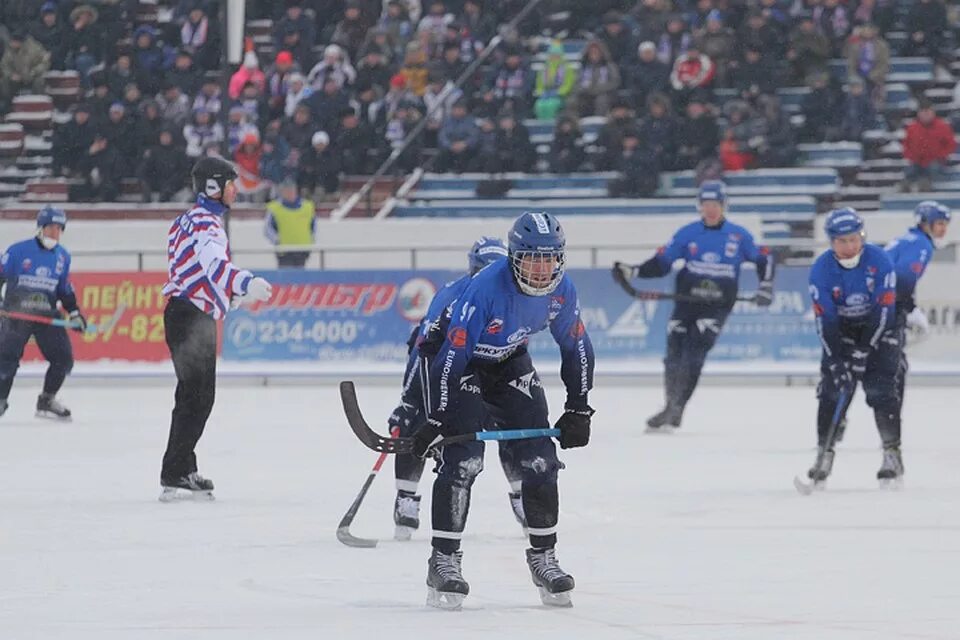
<point>538,273</point>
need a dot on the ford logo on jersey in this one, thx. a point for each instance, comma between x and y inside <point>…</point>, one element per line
<point>855,299</point>
<point>710,256</point>
<point>518,335</point>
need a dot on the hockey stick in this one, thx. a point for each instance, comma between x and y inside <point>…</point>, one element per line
<point>383,444</point>
<point>343,529</point>
<point>806,488</point>
<point>641,294</point>
<point>65,323</point>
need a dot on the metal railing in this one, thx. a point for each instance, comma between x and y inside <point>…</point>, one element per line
<point>410,257</point>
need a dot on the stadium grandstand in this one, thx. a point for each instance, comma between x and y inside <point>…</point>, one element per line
<point>617,107</point>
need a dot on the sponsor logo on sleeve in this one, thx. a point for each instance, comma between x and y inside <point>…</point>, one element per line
<point>457,337</point>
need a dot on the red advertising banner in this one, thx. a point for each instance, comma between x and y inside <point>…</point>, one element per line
<point>134,299</point>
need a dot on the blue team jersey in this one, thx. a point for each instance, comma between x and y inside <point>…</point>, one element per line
<point>910,254</point>
<point>857,304</point>
<point>713,257</point>
<point>441,300</point>
<point>492,320</point>
<point>36,277</point>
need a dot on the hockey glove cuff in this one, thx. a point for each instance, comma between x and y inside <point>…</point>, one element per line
<point>764,295</point>
<point>858,363</point>
<point>840,375</point>
<point>426,438</point>
<point>622,272</point>
<point>917,322</point>
<point>574,428</point>
<point>78,321</point>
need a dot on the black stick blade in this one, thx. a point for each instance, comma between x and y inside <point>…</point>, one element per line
<point>360,428</point>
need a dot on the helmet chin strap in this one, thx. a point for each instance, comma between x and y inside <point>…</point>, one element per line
<point>49,243</point>
<point>849,263</point>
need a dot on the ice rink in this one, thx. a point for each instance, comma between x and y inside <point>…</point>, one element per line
<point>698,534</point>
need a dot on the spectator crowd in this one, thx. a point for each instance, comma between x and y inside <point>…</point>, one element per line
<point>341,83</point>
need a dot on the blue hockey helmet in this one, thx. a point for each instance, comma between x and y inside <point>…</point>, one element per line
<point>713,190</point>
<point>51,215</point>
<point>843,222</point>
<point>537,251</point>
<point>929,211</point>
<point>484,251</point>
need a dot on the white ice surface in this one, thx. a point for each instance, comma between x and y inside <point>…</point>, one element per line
<point>698,534</point>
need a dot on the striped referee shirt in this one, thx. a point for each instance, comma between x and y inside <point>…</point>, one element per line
<point>198,260</point>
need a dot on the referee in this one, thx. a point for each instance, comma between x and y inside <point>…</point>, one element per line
<point>203,284</point>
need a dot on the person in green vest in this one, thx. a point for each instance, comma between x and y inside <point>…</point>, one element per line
<point>290,220</point>
<point>554,83</point>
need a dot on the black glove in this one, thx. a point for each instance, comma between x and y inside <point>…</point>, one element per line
<point>858,363</point>
<point>574,427</point>
<point>764,295</point>
<point>403,416</point>
<point>426,437</point>
<point>840,373</point>
<point>78,321</point>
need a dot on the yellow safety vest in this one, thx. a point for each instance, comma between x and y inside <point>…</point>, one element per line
<point>293,225</point>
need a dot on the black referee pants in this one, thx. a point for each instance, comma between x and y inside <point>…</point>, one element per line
<point>191,336</point>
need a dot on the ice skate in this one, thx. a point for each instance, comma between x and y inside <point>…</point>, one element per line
<point>670,416</point>
<point>554,583</point>
<point>821,468</point>
<point>890,474</point>
<point>48,407</point>
<point>516,505</point>
<point>193,486</point>
<point>446,587</point>
<point>406,515</point>
<point>3,407</point>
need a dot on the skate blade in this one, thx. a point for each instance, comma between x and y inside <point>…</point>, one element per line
<point>174,494</point>
<point>402,533</point>
<point>444,600</point>
<point>891,484</point>
<point>664,429</point>
<point>807,488</point>
<point>561,599</point>
<point>49,415</point>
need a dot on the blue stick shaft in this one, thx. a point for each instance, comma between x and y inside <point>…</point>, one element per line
<point>518,434</point>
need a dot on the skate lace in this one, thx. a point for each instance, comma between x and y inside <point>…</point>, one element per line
<point>195,479</point>
<point>448,566</point>
<point>891,459</point>
<point>408,507</point>
<point>545,564</point>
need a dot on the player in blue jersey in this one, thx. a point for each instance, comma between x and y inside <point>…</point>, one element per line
<point>37,277</point>
<point>713,250</point>
<point>483,339</point>
<point>853,286</point>
<point>410,416</point>
<point>910,254</point>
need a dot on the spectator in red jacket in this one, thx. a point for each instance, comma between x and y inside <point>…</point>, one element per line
<point>928,144</point>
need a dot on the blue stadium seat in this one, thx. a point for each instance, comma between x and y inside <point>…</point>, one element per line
<point>831,154</point>
<point>779,209</point>
<point>901,69</point>
<point>793,181</point>
<point>909,201</point>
